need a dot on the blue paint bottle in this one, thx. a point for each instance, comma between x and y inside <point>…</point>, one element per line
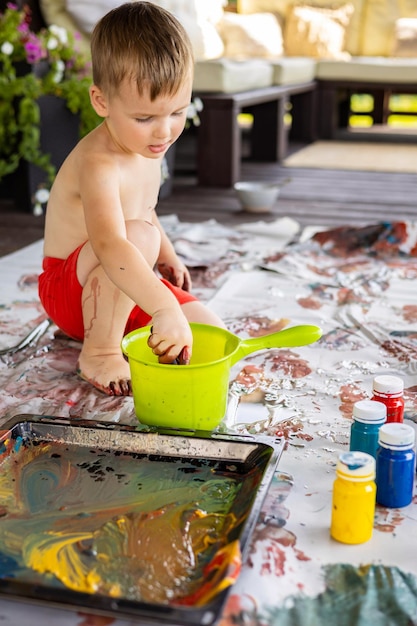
<point>395,465</point>
<point>368,417</point>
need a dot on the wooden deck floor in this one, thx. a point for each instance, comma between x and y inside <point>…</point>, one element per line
<point>314,196</point>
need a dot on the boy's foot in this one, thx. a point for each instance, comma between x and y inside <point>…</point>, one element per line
<point>109,374</point>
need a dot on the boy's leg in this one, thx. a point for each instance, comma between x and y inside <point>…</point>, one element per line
<point>105,312</point>
<point>197,312</point>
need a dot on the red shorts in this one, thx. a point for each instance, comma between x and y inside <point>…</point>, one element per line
<point>61,295</point>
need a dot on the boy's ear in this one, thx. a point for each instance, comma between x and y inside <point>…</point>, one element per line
<point>98,101</point>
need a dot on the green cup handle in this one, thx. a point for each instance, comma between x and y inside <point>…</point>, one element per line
<point>292,337</point>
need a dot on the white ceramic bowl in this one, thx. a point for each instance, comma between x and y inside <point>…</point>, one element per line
<point>257,197</point>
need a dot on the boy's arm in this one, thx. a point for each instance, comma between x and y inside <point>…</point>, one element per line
<point>169,264</point>
<point>125,265</point>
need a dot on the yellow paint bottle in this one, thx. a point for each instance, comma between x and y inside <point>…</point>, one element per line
<point>354,496</point>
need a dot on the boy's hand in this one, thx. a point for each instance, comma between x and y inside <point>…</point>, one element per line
<point>171,337</point>
<point>176,273</point>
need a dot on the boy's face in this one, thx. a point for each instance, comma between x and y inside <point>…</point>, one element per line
<point>142,126</point>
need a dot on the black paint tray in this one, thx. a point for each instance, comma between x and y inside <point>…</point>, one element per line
<point>141,524</point>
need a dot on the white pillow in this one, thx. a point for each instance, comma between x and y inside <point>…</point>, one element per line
<point>87,14</point>
<point>255,35</point>
<point>405,42</point>
<point>211,10</point>
<point>205,40</point>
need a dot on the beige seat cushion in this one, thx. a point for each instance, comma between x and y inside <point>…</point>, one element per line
<point>248,36</point>
<point>230,75</point>
<point>369,70</point>
<point>289,70</point>
<point>316,31</point>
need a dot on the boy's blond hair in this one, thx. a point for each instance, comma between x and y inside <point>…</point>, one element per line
<point>142,42</point>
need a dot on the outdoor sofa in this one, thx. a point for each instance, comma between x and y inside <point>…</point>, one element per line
<point>275,58</point>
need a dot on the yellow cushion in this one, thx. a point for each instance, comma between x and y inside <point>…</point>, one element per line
<point>378,27</point>
<point>405,37</point>
<point>408,8</point>
<point>250,36</point>
<point>280,8</point>
<point>316,31</point>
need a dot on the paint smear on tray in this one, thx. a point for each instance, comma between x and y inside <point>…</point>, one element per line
<point>120,524</point>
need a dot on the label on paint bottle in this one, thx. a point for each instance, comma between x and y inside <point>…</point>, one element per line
<point>389,390</point>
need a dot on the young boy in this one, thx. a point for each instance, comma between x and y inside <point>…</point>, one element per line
<point>102,236</point>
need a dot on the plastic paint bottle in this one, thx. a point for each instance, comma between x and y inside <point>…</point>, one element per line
<point>389,390</point>
<point>368,417</point>
<point>395,465</point>
<point>353,503</point>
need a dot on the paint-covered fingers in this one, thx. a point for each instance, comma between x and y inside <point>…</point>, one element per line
<point>186,284</point>
<point>177,275</point>
<point>161,347</point>
<point>172,355</point>
<point>184,356</point>
<point>168,353</point>
<point>170,334</point>
<point>182,359</point>
<point>167,272</point>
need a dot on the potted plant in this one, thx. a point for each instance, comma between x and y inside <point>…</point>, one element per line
<point>43,79</point>
<point>45,107</point>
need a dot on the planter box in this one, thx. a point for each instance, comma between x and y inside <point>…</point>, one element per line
<point>59,134</point>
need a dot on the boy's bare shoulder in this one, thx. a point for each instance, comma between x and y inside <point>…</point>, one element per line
<point>90,160</point>
<point>94,145</point>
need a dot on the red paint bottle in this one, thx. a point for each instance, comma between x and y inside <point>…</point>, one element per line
<point>389,390</point>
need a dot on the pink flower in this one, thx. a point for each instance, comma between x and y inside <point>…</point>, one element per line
<point>23,28</point>
<point>33,49</point>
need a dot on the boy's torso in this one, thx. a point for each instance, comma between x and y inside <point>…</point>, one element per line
<point>138,187</point>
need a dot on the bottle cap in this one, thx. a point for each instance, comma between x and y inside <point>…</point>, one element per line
<point>396,436</point>
<point>356,466</point>
<point>369,412</point>
<point>388,384</point>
